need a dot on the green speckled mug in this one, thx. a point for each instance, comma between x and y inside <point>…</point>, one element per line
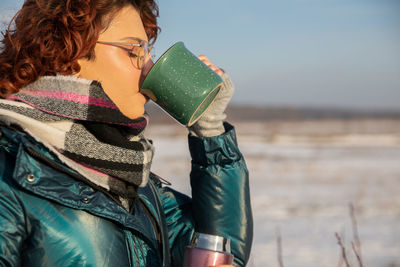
<point>181,84</point>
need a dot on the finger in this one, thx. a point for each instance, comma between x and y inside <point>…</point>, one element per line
<point>216,70</point>
<point>219,72</point>
<point>203,57</point>
<point>206,61</point>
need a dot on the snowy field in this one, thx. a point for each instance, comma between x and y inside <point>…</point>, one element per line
<point>303,178</point>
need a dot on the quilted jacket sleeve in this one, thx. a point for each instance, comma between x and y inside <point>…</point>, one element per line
<point>220,203</point>
<point>12,225</point>
<point>220,191</point>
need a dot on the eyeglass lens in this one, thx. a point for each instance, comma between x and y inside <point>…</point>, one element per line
<point>141,53</point>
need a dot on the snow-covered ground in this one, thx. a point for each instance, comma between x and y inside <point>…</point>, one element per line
<point>302,184</point>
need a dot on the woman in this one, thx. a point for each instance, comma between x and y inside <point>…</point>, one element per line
<point>75,181</point>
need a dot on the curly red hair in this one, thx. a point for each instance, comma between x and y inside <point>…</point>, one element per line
<point>51,35</point>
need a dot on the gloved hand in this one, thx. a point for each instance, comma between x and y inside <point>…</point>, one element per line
<point>211,123</point>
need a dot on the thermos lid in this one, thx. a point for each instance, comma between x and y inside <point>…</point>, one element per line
<point>211,242</point>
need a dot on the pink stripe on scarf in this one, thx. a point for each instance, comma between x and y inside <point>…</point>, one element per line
<point>73,97</point>
<point>97,172</point>
<point>135,125</point>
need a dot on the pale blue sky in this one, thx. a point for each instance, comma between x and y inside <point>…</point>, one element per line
<point>334,53</point>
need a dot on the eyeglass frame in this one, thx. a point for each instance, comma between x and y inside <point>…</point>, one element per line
<point>146,45</point>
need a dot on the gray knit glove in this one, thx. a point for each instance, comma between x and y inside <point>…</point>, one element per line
<point>211,123</point>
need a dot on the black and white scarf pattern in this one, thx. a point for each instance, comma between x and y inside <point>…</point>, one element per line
<point>76,120</point>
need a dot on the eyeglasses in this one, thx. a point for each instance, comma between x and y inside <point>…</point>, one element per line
<point>137,52</point>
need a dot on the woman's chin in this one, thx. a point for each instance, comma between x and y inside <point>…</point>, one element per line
<point>132,106</point>
<point>134,114</point>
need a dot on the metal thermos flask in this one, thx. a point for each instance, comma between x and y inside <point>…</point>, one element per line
<point>208,250</point>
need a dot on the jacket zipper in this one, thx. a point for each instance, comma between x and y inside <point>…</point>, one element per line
<point>165,258</point>
<point>156,226</point>
<point>133,255</point>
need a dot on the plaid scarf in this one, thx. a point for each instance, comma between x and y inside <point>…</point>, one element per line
<point>76,120</point>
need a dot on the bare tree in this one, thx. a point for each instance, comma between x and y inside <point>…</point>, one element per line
<point>279,246</point>
<point>356,245</point>
<point>344,256</point>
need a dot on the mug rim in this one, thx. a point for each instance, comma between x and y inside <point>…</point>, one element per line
<point>191,121</point>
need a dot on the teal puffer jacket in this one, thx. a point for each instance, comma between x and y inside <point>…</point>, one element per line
<point>48,217</point>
